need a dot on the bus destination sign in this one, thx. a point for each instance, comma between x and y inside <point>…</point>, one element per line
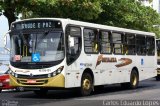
<point>36,25</point>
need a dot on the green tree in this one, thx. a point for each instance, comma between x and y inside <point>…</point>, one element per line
<point>121,13</point>
<point>11,8</point>
<point>129,14</point>
<point>74,9</point>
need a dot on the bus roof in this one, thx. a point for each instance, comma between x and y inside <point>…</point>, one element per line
<point>92,25</point>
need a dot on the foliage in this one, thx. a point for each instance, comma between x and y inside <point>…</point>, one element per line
<point>129,14</point>
<point>121,13</point>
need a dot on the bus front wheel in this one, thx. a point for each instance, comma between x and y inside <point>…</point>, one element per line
<point>86,84</point>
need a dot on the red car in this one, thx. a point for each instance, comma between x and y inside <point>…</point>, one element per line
<point>4,82</point>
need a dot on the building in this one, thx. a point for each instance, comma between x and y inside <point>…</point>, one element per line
<point>155,4</point>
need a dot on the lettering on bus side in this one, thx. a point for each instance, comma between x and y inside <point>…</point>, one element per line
<point>111,59</point>
<point>84,65</point>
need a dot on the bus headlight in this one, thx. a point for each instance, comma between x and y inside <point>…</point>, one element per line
<point>14,74</point>
<point>58,71</point>
<point>49,75</point>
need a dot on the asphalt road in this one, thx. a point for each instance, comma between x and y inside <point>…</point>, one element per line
<point>147,94</point>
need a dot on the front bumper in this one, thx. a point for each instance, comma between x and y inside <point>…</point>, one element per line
<point>56,81</point>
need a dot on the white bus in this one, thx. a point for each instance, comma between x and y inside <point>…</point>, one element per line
<point>48,53</point>
<point>158,59</point>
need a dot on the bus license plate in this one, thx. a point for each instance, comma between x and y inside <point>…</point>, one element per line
<point>31,81</point>
<point>0,84</point>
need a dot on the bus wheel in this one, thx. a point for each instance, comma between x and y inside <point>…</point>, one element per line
<point>134,80</point>
<point>0,90</point>
<point>86,84</point>
<point>158,77</point>
<point>41,92</point>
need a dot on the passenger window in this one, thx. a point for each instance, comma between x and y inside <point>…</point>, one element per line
<point>141,44</point>
<point>91,41</point>
<point>117,39</point>
<point>150,45</point>
<point>105,42</point>
<point>129,45</point>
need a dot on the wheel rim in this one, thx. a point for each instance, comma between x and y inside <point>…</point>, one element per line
<point>134,80</point>
<point>86,84</point>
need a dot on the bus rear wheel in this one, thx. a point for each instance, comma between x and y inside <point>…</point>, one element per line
<point>41,92</point>
<point>134,81</point>
<point>86,84</point>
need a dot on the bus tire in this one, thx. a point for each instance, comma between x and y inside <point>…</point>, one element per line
<point>134,81</point>
<point>86,84</point>
<point>41,92</point>
<point>158,77</point>
<point>0,90</point>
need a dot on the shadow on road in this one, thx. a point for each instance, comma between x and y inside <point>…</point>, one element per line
<point>29,98</point>
<point>69,94</point>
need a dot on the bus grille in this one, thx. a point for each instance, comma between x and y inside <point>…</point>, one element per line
<point>32,77</point>
<point>38,82</point>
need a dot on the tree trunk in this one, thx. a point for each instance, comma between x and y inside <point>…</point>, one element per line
<point>9,13</point>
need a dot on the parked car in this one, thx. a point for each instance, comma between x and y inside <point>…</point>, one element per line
<point>4,81</point>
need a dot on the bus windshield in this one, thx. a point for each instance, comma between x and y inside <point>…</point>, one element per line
<point>37,47</point>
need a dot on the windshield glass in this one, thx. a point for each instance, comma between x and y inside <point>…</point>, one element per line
<point>37,47</point>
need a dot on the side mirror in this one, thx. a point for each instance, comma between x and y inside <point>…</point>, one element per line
<point>71,41</point>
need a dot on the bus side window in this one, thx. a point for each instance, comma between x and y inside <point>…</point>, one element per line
<point>141,44</point>
<point>91,40</point>
<point>117,42</point>
<point>150,45</point>
<point>105,42</point>
<point>129,44</point>
<point>74,43</point>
